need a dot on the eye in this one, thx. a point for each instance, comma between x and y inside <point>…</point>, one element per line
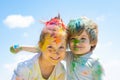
<point>72,39</point>
<point>83,39</point>
<point>50,47</point>
<point>61,47</point>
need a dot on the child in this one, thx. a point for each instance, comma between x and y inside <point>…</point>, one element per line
<point>83,37</point>
<point>46,64</point>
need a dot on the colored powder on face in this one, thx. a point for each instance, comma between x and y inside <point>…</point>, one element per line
<point>51,38</point>
<point>57,40</point>
<point>75,41</point>
<point>48,40</point>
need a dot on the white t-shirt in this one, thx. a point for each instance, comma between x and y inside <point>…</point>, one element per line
<point>83,67</point>
<point>29,70</point>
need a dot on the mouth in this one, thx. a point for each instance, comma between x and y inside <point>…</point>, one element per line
<point>78,47</point>
<point>55,58</point>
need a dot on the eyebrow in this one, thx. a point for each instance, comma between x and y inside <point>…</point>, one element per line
<point>79,36</point>
<point>83,35</point>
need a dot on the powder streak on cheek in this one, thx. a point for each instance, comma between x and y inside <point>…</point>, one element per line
<point>48,39</point>
<point>75,41</point>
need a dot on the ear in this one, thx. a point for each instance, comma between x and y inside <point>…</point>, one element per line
<point>40,45</point>
<point>92,44</point>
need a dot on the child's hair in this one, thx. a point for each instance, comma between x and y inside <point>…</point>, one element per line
<point>50,27</point>
<point>77,26</point>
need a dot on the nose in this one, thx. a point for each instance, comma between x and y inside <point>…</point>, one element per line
<point>56,52</point>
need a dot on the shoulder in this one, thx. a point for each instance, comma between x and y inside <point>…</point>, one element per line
<point>93,60</point>
<point>60,68</point>
<point>97,68</point>
<point>96,65</point>
<point>29,62</point>
<point>25,66</point>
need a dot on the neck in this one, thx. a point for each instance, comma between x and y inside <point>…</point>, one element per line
<point>45,67</point>
<point>78,55</point>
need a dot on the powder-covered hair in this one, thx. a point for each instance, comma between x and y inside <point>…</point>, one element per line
<point>77,26</point>
<point>50,25</point>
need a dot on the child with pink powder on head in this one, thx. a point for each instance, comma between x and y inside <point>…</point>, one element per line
<point>52,49</point>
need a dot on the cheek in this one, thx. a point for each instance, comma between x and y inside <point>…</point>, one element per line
<point>88,46</point>
<point>46,53</point>
<point>62,55</point>
<point>50,51</point>
<point>71,44</point>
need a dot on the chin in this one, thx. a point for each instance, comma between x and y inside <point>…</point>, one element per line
<point>77,52</point>
<point>54,63</point>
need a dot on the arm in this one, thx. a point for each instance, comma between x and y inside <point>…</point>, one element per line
<point>16,48</point>
<point>97,71</point>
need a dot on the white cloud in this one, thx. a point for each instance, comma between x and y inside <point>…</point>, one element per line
<point>100,18</point>
<point>18,21</point>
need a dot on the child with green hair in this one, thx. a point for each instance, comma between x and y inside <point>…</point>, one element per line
<point>83,37</point>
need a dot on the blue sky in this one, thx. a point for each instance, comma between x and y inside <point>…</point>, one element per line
<point>19,24</point>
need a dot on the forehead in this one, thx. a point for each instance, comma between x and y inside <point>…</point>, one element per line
<point>54,39</point>
<point>57,46</point>
<point>63,42</point>
<point>83,34</point>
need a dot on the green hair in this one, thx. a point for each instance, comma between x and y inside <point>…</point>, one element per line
<point>77,26</point>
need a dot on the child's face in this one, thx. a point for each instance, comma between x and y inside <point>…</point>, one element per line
<point>80,44</point>
<point>54,51</point>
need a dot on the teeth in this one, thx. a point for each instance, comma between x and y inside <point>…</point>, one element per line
<point>56,58</point>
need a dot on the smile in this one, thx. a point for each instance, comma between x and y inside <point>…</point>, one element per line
<point>55,58</point>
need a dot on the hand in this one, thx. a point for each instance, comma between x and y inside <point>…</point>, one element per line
<point>15,49</point>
